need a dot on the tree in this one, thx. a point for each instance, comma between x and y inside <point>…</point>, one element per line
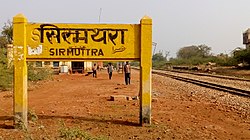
<point>3,42</point>
<point>194,51</point>
<point>159,57</point>
<point>6,73</point>
<point>159,60</point>
<point>167,54</point>
<point>5,39</point>
<point>8,31</point>
<point>242,55</point>
<point>204,50</point>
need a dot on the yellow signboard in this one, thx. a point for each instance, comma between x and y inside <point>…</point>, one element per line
<point>111,42</point>
<point>83,41</point>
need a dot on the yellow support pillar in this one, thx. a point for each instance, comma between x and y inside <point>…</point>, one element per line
<point>146,66</point>
<point>20,71</point>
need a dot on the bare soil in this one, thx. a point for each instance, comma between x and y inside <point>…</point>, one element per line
<point>83,102</point>
<point>227,71</point>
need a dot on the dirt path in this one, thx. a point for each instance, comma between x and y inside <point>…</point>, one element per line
<point>83,102</point>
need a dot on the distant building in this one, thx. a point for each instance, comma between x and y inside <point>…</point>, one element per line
<point>10,54</point>
<point>246,38</point>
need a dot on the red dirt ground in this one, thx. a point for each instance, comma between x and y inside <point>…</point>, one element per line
<point>83,102</point>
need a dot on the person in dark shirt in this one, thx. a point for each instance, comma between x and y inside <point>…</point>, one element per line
<point>110,70</point>
<point>94,68</point>
<point>127,71</point>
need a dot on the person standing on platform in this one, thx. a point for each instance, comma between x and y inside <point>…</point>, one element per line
<point>127,71</point>
<point>110,70</point>
<point>94,68</point>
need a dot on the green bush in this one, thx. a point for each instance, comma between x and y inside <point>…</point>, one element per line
<point>34,74</point>
<point>6,73</point>
<point>6,76</point>
<point>158,64</point>
<point>39,73</point>
<point>75,133</point>
<point>135,63</point>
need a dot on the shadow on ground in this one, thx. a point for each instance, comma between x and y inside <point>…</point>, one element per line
<point>43,117</point>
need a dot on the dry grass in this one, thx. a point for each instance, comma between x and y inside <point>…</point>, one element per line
<point>228,71</point>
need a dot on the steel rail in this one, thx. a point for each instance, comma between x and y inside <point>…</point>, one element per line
<point>232,90</point>
<point>212,75</point>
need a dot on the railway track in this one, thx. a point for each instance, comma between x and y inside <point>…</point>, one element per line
<point>205,83</point>
<point>212,75</point>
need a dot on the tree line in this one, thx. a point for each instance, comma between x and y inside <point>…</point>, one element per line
<point>201,55</point>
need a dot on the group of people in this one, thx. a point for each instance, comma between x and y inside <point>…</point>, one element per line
<point>110,68</point>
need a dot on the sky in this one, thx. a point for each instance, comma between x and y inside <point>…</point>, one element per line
<point>219,24</point>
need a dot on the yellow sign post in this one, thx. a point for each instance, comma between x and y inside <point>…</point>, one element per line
<point>146,66</point>
<point>20,71</point>
<point>102,42</point>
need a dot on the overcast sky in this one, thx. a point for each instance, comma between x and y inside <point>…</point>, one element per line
<point>218,24</point>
